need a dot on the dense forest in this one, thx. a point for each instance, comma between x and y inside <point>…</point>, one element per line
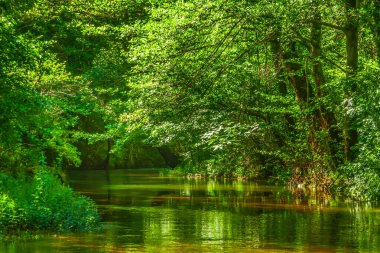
<point>281,90</point>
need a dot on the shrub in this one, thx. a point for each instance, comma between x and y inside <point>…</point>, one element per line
<point>43,203</point>
<point>10,215</point>
<point>363,181</point>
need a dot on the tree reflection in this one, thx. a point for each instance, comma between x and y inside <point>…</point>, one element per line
<point>153,214</point>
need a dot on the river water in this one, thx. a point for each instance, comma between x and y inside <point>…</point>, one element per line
<point>145,212</point>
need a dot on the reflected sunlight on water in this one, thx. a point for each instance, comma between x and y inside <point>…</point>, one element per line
<point>143,212</point>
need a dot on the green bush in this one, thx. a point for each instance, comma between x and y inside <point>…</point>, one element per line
<point>10,215</point>
<point>43,203</point>
<point>363,180</point>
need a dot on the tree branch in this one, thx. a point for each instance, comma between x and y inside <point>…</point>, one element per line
<point>333,26</point>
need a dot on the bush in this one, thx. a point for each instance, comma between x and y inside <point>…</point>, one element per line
<point>363,181</point>
<point>43,203</point>
<point>10,214</point>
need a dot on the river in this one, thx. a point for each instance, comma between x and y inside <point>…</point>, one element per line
<point>143,211</point>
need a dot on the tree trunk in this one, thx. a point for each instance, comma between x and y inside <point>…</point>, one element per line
<point>297,77</point>
<point>107,160</point>
<point>351,31</point>
<point>280,76</point>
<point>323,119</point>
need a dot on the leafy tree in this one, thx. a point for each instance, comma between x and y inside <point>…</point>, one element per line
<point>255,86</point>
<point>36,101</point>
<point>251,88</point>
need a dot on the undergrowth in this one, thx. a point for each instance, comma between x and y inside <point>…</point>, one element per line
<point>43,203</point>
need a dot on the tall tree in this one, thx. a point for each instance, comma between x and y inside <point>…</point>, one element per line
<point>352,56</point>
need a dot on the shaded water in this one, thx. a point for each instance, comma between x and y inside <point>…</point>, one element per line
<point>143,212</point>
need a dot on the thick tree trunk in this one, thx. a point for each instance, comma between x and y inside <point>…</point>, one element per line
<point>280,76</point>
<point>316,38</point>
<point>297,77</point>
<point>352,38</point>
<point>323,119</point>
<point>304,92</point>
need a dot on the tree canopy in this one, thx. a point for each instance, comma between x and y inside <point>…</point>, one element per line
<point>282,90</point>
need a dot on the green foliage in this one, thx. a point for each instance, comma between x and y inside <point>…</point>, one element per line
<point>363,175</point>
<point>271,89</point>
<point>39,103</point>
<point>43,203</point>
<point>225,116</point>
<point>363,180</point>
<point>252,89</point>
<point>10,215</point>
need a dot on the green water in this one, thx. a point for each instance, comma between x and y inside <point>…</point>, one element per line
<point>143,212</point>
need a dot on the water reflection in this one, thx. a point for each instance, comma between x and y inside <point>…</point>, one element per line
<point>147,213</point>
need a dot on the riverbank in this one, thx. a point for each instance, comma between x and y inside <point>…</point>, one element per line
<point>42,203</point>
